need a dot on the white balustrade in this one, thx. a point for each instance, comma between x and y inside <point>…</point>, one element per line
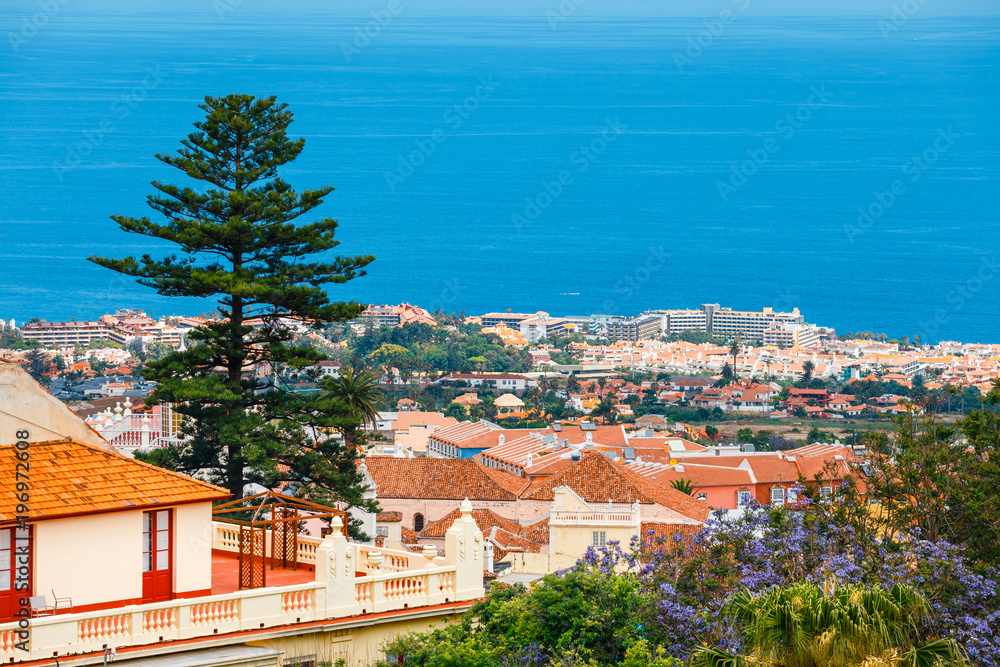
<point>349,587</point>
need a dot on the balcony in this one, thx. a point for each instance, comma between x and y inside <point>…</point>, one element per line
<point>624,515</point>
<point>345,580</point>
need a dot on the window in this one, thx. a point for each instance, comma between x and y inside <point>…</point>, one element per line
<point>743,498</point>
<point>702,496</point>
<point>418,522</point>
<point>600,538</point>
<point>381,531</point>
<point>826,491</point>
<point>777,496</point>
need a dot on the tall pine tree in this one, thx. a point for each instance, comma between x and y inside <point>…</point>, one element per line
<point>239,243</point>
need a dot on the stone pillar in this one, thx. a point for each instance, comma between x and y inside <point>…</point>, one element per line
<point>335,567</point>
<point>464,549</point>
<point>144,433</point>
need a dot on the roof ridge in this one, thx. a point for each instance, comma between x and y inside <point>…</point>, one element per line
<point>116,454</point>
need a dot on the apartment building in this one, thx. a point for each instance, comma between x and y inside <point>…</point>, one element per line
<point>589,324</point>
<point>632,329</point>
<point>512,320</point>
<point>123,327</point>
<point>745,323</point>
<point>395,316</point>
<point>791,335</point>
<point>675,321</point>
<point>65,334</point>
<point>542,326</point>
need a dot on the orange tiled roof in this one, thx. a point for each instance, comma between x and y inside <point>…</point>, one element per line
<point>434,479</point>
<point>597,479</point>
<point>70,478</point>
<point>513,483</point>
<point>485,520</point>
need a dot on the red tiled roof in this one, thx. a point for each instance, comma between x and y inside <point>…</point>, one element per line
<point>70,478</point>
<point>537,531</point>
<point>597,479</point>
<point>770,470</point>
<point>702,476</point>
<point>513,483</point>
<point>651,530</point>
<point>485,520</point>
<point>434,479</point>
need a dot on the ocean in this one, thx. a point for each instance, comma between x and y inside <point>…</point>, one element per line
<point>847,166</point>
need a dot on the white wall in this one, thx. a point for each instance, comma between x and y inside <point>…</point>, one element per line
<point>25,406</point>
<point>91,559</point>
<point>192,547</point>
<point>98,558</point>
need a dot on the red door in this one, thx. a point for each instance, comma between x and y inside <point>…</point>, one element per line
<point>157,556</point>
<point>15,570</point>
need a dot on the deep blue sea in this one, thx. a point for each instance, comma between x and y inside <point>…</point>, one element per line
<point>646,132</point>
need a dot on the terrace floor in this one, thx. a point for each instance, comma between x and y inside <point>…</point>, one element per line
<point>226,573</point>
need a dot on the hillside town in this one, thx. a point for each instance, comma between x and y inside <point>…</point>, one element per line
<point>530,492</point>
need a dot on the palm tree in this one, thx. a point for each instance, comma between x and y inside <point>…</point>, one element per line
<point>734,350</point>
<point>807,373</point>
<point>804,625</point>
<point>355,394</point>
<point>683,485</point>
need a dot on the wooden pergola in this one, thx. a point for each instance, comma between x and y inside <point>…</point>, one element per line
<point>281,515</point>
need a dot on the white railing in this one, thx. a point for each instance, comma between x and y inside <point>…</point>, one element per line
<point>226,537</point>
<point>389,580</point>
<point>568,518</point>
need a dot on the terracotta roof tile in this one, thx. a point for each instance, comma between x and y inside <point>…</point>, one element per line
<point>434,479</point>
<point>538,531</point>
<point>485,520</point>
<point>69,477</point>
<point>513,483</point>
<point>597,479</point>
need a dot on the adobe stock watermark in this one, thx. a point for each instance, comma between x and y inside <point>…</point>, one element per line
<point>914,167</point>
<point>633,281</point>
<point>785,128</point>
<point>120,109</point>
<point>453,118</point>
<point>223,7</point>
<point>363,35</point>
<point>33,25</point>
<point>449,294</point>
<point>20,563</point>
<point>784,298</point>
<point>901,13</point>
<point>714,28</point>
<point>581,159</point>
<point>565,10</point>
<point>961,295</point>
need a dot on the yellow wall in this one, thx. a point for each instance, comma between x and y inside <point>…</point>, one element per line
<point>575,540</point>
<point>359,647</point>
